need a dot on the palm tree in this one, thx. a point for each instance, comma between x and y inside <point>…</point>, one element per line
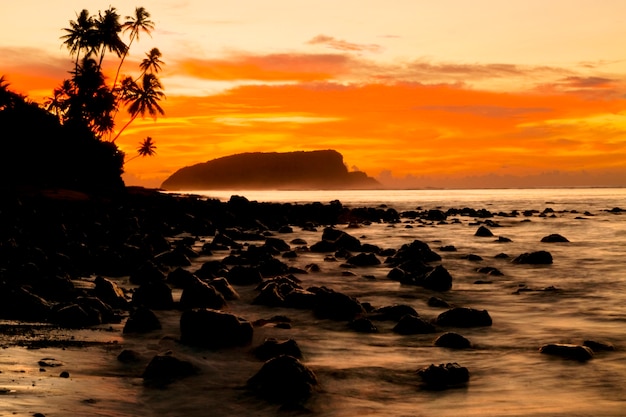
<point>142,98</point>
<point>146,148</point>
<point>140,22</point>
<point>108,30</point>
<point>79,35</point>
<point>153,61</point>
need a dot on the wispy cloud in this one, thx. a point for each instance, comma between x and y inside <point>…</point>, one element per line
<point>342,45</point>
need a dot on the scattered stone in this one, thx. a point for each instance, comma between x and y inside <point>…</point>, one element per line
<point>363,325</point>
<point>165,369</point>
<point>438,302</point>
<point>554,238</point>
<point>439,279</point>
<point>284,379</point>
<point>272,348</point>
<point>214,329</point>
<point>129,356</point>
<point>568,351</point>
<point>444,376</point>
<point>483,232</point>
<point>464,317</point>
<point>393,313</point>
<point>598,346</point>
<point>142,320</point>
<point>452,340</point>
<point>541,257</point>
<point>64,374</point>
<point>413,325</point>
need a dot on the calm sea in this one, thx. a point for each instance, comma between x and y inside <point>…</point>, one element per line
<point>374,374</point>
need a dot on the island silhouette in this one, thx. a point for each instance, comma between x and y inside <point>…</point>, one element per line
<point>320,169</point>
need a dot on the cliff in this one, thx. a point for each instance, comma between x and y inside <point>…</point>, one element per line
<point>290,170</point>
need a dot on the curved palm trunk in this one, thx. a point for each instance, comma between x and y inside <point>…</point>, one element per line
<point>124,128</point>
<point>119,67</point>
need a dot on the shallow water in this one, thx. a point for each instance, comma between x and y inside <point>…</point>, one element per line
<point>374,374</point>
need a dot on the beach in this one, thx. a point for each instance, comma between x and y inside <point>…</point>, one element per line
<point>56,247</point>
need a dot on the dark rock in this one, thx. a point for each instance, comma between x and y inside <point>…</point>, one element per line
<point>489,270</point>
<point>444,376</point>
<point>438,302</point>
<point>21,304</point>
<point>362,325</point>
<point>598,346</point>
<point>393,312</point>
<point>464,317</point>
<point>396,274</point>
<point>200,294</point>
<point>142,320</point>
<point>174,257</point>
<point>576,352</point>
<point>439,279</point>
<point>278,244</point>
<point>472,257</point>
<point>224,287</point>
<point>164,369</point>
<point>413,325</point>
<point>147,273</point>
<point>272,348</point>
<point>214,329</point>
<point>154,295</point>
<point>180,278</point>
<point>284,379</point>
<point>64,374</point>
<point>333,305</point>
<point>534,258</point>
<point>242,275</point>
<point>364,259</point>
<point>452,340</point>
<point>448,248</point>
<point>502,239</point>
<point>300,299</point>
<point>129,356</point>
<point>483,232</point>
<point>415,251</point>
<point>554,238</point>
<point>74,316</point>
<point>109,292</point>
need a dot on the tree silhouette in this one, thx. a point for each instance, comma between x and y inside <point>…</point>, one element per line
<point>152,62</point>
<point>107,34</point>
<point>79,34</point>
<point>140,22</point>
<point>146,148</point>
<point>142,98</point>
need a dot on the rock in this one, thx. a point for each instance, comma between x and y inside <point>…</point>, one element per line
<point>278,244</point>
<point>74,316</point>
<point>242,275</point>
<point>452,340</point>
<point>438,302</point>
<point>164,369</point>
<point>21,304</point>
<point>413,325</point>
<point>444,376</point>
<point>364,259</point>
<point>142,320</point>
<point>180,278</point>
<point>147,273</point>
<point>439,279</point>
<point>362,325</point>
<point>214,329</point>
<point>223,286</point>
<point>155,295</point>
<point>272,348</point>
<point>554,238</point>
<point>464,317</point>
<point>576,352</point>
<point>333,305</point>
<point>129,356</point>
<point>201,294</point>
<point>109,292</point>
<point>598,346</point>
<point>393,312</point>
<point>483,232</point>
<point>489,270</point>
<point>174,257</point>
<point>64,374</point>
<point>415,251</point>
<point>284,379</point>
<point>534,258</point>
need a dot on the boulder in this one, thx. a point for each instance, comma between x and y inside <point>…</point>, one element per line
<point>243,275</point>
<point>147,273</point>
<point>364,259</point>
<point>483,232</point>
<point>164,369</point>
<point>200,294</point>
<point>272,348</point>
<point>393,312</point>
<point>453,341</point>
<point>362,325</point>
<point>284,379</point>
<point>109,292</point>
<point>155,295</point>
<point>413,325</point>
<point>333,305</point>
<point>554,238</point>
<point>444,376</point>
<point>568,351</point>
<point>214,329</point>
<point>142,320</point>
<point>541,257</point>
<point>464,317</point>
<point>223,286</point>
<point>439,279</point>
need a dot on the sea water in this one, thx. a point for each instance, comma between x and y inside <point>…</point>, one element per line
<point>581,296</point>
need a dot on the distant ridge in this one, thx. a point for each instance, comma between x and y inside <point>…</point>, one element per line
<point>309,170</point>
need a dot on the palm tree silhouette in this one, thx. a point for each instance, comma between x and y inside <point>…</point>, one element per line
<point>153,61</point>
<point>107,29</point>
<point>80,34</point>
<point>142,99</point>
<point>140,22</point>
<point>146,148</point>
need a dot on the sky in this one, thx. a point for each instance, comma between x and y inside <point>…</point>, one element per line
<point>416,93</point>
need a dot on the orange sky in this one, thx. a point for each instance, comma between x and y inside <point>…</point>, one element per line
<point>497,94</point>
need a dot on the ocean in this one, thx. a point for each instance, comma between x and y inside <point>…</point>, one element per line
<point>580,296</point>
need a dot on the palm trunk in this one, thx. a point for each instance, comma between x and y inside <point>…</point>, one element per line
<point>119,67</point>
<point>124,128</point>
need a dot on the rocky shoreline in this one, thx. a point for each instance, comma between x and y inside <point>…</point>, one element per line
<point>55,242</point>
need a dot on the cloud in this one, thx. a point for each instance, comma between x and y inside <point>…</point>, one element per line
<point>342,45</point>
<point>272,67</point>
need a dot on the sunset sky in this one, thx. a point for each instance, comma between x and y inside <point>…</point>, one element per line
<point>417,93</point>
